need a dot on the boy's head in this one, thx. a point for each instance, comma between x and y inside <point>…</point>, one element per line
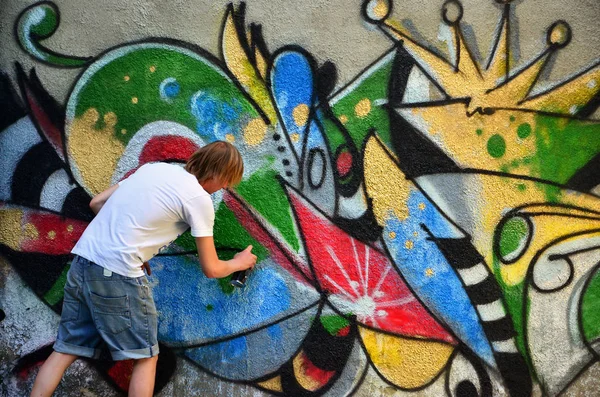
<point>218,162</point>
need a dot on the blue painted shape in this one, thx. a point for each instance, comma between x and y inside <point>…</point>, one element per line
<point>195,309</point>
<point>215,118</point>
<point>430,275</point>
<point>292,86</point>
<point>256,354</point>
<point>169,88</point>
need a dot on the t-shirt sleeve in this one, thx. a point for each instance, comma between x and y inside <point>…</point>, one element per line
<point>200,215</point>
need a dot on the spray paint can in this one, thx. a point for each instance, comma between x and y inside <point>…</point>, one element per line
<point>238,279</point>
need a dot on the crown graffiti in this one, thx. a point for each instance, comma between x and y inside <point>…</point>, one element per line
<point>496,84</point>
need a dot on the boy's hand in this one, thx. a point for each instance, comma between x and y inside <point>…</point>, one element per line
<point>146,267</point>
<point>246,258</point>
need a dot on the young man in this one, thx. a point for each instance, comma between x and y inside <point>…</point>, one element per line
<point>107,297</point>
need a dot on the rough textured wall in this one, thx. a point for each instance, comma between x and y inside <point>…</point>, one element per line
<point>421,188</point>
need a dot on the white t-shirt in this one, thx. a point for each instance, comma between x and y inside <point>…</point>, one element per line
<point>149,209</point>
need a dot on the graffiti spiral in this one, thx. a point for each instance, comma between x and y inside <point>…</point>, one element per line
<point>433,225</point>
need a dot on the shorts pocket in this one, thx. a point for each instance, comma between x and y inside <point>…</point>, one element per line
<point>70,307</point>
<point>111,315</point>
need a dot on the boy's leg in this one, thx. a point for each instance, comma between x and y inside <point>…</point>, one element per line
<point>142,378</point>
<point>126,318</point>
<point>51,373</point>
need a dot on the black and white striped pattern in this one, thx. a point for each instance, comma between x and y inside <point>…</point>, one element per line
<point>486,296</point>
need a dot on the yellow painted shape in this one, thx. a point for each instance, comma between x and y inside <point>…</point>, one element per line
<point>255,131</point>
<point>386,185</point>
<point>559,34</point>
<point>547,228</point>
<point>466,64</point>
<point>239,64</point>
<point>10,227</point>
<point>362,108</point>
<point>95,152</point>
<point>52,234</point>
<point>407,363</point>
<point>273,384</point>
<point>511,93</point>
<point>380,9</point>
<point>568,97</point>
<point>30,232</point>
<point>305,380</point>
<point>300,114</point>
<point>497,69</point>
<point>261,62</point>
<point>488,89</point>
<point>458,138</point>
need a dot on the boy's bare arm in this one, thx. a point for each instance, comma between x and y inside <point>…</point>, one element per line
<point>99,200</point>
<point>213,267</point>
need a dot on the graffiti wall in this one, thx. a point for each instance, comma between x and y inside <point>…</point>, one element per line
<point>421,186</point>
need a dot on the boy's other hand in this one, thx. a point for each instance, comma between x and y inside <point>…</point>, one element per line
<point>246,258</point>
<point>146,267</point>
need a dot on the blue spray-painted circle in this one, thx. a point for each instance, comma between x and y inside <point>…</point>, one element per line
<point>169,88</point>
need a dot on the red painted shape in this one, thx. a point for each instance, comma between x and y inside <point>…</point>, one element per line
<point>46,232</point>
<point>313,372</point>
<point>24,373</point>
<point>344,163</point>
<point>360,278</point>
<point>120,373</point>
<point>167,147</point>
<point>343,331</point>
<point>255,224</point>
<point>50,131</point>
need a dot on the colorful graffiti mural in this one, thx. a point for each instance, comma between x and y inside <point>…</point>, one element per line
<point>434,224</point>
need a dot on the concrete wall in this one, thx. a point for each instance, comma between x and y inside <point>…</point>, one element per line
<point>421,188</point>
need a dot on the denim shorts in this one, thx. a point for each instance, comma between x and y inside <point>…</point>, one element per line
<point>103,306</point>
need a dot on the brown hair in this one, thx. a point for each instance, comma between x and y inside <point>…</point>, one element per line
<point>219,160</point>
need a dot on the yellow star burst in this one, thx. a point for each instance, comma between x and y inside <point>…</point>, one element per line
<point>495,86</point>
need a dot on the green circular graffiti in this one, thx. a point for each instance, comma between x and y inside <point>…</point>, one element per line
<point>513,237</point>
<point>479,131</point>
<point>524,130</point>
<point>590,309</point>
<point>496,146</point>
